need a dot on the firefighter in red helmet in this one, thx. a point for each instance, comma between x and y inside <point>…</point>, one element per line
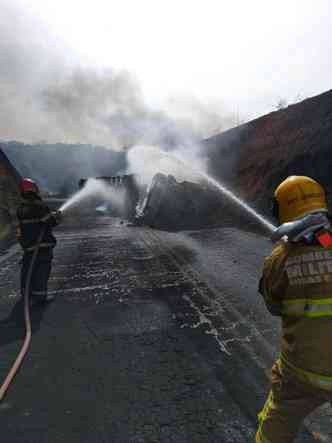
<point>35,226</point>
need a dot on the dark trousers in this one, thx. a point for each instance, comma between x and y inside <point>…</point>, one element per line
<point>40,273</point>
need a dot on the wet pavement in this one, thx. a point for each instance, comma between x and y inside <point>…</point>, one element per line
<point>153,337</point>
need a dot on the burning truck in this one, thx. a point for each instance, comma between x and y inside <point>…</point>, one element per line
<point>176,205</point>
<point>166,203</point>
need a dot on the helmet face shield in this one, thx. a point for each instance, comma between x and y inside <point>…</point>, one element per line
<point>298,196</point>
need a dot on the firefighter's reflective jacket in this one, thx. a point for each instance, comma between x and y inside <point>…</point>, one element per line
<point>297,285</point>
<point>34,215</point>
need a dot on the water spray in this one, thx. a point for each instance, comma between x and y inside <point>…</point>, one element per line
<point>269,226</point>
<point>93,188</point>
<point>183,166</point>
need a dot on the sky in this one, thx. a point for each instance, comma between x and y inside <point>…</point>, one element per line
<point>193,59</point>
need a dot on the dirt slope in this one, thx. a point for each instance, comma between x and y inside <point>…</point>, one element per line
<point>254,157</point>
<point>9,180</point>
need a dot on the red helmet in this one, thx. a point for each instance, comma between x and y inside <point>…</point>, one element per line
<point>28,185</point>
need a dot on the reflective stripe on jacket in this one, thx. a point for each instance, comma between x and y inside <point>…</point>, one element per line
<point>306,307</point>
<point>297,286</point>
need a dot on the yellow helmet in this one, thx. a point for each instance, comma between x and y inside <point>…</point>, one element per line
<point>298,196</point>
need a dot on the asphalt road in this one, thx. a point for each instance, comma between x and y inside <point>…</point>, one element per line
<point>153,337</point>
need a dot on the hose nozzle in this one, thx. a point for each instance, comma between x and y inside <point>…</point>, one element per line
<point>58,215</point>
<point>297,229</point>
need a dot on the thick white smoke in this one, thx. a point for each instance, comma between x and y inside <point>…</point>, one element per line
<point>44,97</point>
<point>183,163</point>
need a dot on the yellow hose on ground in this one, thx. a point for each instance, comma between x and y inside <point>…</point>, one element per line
<point>11,374</point>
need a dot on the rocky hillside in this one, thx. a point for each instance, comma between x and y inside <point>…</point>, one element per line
<point>9,197</point>
<point>253,158</point>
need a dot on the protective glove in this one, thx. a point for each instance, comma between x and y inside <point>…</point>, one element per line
<point>57,215</point>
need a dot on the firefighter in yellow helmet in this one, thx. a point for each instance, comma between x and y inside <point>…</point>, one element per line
<point>297,286</point>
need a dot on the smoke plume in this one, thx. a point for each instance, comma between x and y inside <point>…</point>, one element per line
<point>182,162</point>
<point>43,97</point>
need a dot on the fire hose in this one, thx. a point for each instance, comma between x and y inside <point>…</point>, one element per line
<point>11,374</point>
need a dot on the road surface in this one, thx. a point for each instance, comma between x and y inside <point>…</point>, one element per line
<point>153,337</point>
